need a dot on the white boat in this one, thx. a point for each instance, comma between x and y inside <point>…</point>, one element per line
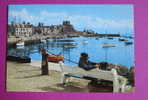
<point>43,41</point>
<point>85,42</point>
<point>50,39</point>
<point>106,45</point>
<point>70,46</point>
<point>20,44</point>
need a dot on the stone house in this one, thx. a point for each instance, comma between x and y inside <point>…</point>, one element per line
<point>20,29</point>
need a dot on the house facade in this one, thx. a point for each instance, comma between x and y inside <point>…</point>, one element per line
<point>20,29</point>
<point>26,29</point>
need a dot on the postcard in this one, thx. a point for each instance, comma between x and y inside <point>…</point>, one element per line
<point>66,48</point>
<point>70,48</point>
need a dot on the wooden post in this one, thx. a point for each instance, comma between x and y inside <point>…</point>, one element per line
<point>62,72</point>
<point>44,66</point>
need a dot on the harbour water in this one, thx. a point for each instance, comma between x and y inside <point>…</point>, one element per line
<point>71,48</point>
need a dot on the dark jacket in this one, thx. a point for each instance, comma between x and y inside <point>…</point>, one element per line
<point>86,65</point>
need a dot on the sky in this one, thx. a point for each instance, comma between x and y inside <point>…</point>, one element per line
<point>99,18</point>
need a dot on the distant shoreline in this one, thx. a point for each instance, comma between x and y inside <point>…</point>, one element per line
<point>13,39</point>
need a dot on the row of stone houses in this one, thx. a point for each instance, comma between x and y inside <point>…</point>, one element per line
<point>20,29</point>
<point>27,29</point>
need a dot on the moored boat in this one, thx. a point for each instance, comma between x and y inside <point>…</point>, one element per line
<point>20,44</point>
<point>55,58</point>
<point>50,39</point>
<point>43,41</point>
<point>110,38</point>
<point>120,39</point>
<point>64,40</point>
<point>19,59</point>
<point>106,45</point>
<point>97,38</point>
<point>70,46</point>
<point>85,42</point>
<point>128,43</point>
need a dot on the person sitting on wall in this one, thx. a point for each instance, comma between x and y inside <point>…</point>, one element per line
<point>85,63</point>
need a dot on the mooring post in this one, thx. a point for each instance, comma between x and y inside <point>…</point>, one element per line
<point>62,71</point>
<point>115,81</point>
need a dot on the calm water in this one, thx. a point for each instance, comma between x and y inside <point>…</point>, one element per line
<point>120,54</point>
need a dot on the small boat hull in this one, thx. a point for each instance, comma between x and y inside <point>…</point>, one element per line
<point>128,43</point>
<point>122,39</point>
<point>108,45</point>
<point>70,45</point>
<point>20,45</point>
<point>43,41</point>
<point>24,60</point>
<point>55,58</point>
<point>21,59</point>
<point>110,38</point>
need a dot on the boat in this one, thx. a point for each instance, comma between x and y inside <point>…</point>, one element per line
<point>19,59</point>
<point>110,38</point>
<point>55,58</point>
<point>120,39</point>
<point>70,45</point>
<point>64,40</point>
<point>20,44</point>
<point>50,39</point>
<point>85,42</point>
<point>128,43</point>
<point>97,38</point>
<point>43,41</point>
<point>130,37</point>
<point>106,45</point>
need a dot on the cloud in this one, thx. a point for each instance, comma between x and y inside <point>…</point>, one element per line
<point>22,15</point>
<point>79,21</point>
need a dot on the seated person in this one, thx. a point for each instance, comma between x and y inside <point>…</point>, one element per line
<point>85,63</point>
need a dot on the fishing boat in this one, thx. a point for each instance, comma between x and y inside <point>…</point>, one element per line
<point>110,38</point>
<point>97,38</point>
<point>55,58</point>
<point>43,41</point>
<point>50,39</point>
<point>70,45</point>
<point>128,43</point>
<point>106,45</point>
<point>20,44</point>
<point>64,40</point>
<point>130,37</point>
<point>85,42</point>
<point>19,59</point>
<point>120,39</point>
